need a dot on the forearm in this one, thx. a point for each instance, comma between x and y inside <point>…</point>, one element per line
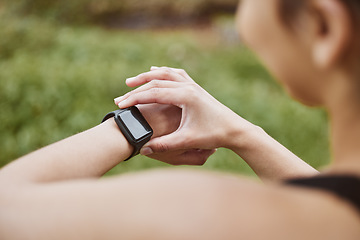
<point>85,155</point>
<point>268,158</point>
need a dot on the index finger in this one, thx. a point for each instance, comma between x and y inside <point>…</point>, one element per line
<point>182,72</point>
<point>158,74</point>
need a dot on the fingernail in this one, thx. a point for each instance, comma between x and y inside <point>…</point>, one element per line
<point>122,104</point>
<point>118,99</point>
<point>146,151</point>
<point>130,79</point>
<point>154,68</point>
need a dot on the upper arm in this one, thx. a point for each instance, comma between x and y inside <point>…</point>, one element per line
<point>172,205</point>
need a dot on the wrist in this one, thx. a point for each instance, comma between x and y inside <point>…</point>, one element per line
<point>117,141</point>
<point>133,126</point>
<point>243,136</point>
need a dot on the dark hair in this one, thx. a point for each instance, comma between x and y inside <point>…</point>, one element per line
<point>289,9</point>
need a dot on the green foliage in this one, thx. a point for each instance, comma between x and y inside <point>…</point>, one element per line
<point>57,81</point>
<point>97,11</point>
<point>18,34</point>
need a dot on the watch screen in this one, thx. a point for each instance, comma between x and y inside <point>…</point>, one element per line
<point>133,124</point>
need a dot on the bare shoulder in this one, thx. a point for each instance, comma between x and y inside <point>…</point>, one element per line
<point>180,204</point>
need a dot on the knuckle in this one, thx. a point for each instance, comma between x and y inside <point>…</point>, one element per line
<point>191,88</point>
<point>155,84</point>
<point>167,73</point>
<point>155,95</point>
<point>144,77</point>
<point>161,147</point>
<point>182,72</point>
<point>155,91</point>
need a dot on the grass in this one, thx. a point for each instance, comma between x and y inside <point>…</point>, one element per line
<point>65,79</point>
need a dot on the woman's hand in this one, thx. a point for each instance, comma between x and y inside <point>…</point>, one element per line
<point>165,119</point>
<point>205,122</point>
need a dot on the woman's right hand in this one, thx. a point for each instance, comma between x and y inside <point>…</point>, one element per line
<point>205,122</point>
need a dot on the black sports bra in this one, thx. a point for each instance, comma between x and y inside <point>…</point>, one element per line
<point>345,187</point>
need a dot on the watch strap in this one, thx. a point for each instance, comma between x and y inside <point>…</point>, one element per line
<point>113,114</point>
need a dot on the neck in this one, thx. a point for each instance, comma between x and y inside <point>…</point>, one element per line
<point>344,112</point>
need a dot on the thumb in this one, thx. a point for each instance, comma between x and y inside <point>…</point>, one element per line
<point>165,143</point>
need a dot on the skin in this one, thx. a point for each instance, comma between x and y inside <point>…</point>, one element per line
<point>54,193</point>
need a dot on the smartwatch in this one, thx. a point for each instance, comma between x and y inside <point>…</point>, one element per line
<point>134,127</point>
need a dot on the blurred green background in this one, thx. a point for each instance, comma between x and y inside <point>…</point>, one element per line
<point>62,62</point>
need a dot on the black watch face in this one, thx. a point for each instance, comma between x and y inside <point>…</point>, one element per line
<point>136,124</point>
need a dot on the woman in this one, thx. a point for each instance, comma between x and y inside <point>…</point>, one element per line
<point>311,48</point>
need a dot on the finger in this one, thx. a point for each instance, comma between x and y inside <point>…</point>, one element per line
<point>196,157</point>
<point>170,96</point>
<point>184,157</point>
<point>159,74</point>
<point>150,85</point>
<point>182,72</point>
<point>190,157</point>
<point>172,142</point>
